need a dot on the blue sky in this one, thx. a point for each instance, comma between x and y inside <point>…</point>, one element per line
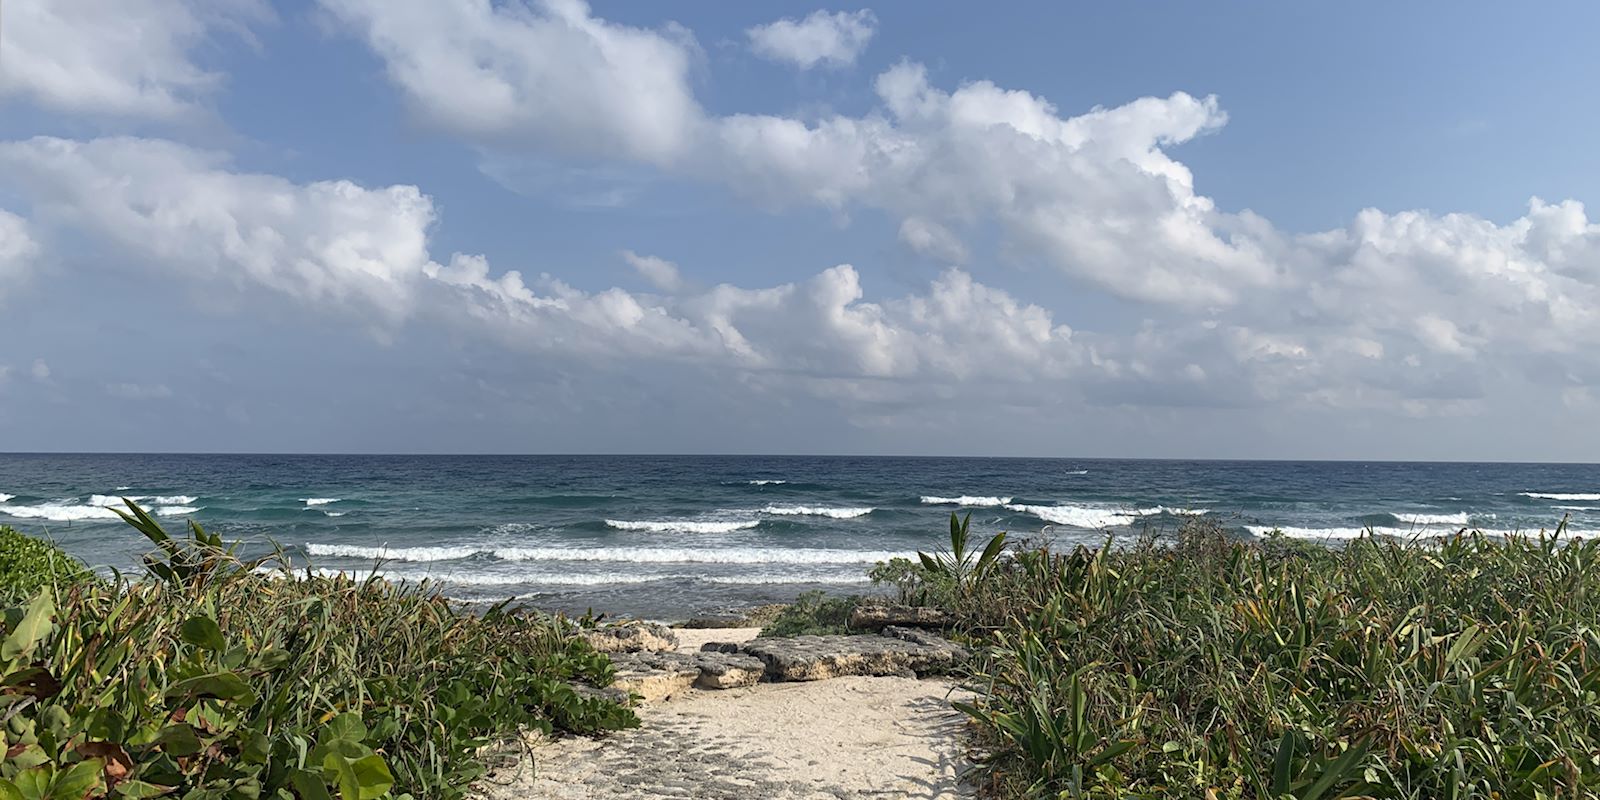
<point>1165,229</point>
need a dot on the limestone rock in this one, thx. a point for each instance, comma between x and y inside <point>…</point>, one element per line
<point>632,637</point>
<point>720,670</point>
<point>654,676</point>
<point>875,616</point>
<point>812,658</point>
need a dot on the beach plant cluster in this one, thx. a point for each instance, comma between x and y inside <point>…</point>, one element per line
<point>1208,666</point>
<point>219,677</point>
<point>28,565</point>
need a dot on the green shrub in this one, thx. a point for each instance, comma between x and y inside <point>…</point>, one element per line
<point>27,564</point>
<point>221,678</point>
<point>813,613</point>
<point>1461,668</point>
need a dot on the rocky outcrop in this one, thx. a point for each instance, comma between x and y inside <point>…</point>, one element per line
<point>654,676</point>
<point>632,637</point>
<point>659,676</point>
<point>876,616</point>
<point>720,670</point>
<point>900,651</point>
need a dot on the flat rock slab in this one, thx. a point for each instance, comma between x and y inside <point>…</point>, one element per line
<point>660,676</point>
<point>875,616</point>
<point>632,637</point>
<point>812,658</point>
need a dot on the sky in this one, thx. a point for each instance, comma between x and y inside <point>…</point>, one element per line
<point>1164,229</point>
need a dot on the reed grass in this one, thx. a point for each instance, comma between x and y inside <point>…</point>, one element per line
<point>1211,667</point>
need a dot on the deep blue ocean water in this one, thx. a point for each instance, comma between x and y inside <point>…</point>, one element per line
<point>667,536</point>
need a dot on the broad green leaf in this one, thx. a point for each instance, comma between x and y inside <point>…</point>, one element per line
<point>140,790</point>
<point>31,629</point>
<point>372,776</point>
<point>179,740</point>
<point>9,790</point>
<point>77,780</point>
<point>203,631</point>
<point>309,785</point>
<point>220,685</point>
<point>347,726</point>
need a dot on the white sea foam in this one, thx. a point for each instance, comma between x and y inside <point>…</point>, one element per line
<point>1328,533</point>
<point>1579,508</point>
<point>387,553</point>
<point>334,513</point>
<point>766,483</point>
<point>1076,472</point>
<point>1077,516</point>
<point>816,511</point>
<point>58,511</point>
<point>6,498</point>
<point>1562,495</point>
<point>1432,519</point>
<point>1176,512</point>
<point>463,578</point>
<point>681,525</point>
<point>965,500</point>
<point>143,499</point>
<point>174,511</point>
<point>697,555</point>
<point>319,501</point>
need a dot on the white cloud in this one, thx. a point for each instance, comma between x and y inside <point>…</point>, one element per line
<point>116,57</point>
<point>548,75</point>
<point>329,242</point>
<point>17,250</point>
<point>833,39</point>
<point>932,240</point>
<point>344,247</point>
<point>661,273</point>
<point>40,370</point>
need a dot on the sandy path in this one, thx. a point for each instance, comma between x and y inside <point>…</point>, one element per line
<point>841,738</point>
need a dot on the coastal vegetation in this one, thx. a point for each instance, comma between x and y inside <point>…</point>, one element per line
<point>1207,666</point>
<point>213,676</point>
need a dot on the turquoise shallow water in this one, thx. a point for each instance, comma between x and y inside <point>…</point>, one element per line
<point>670,535</point>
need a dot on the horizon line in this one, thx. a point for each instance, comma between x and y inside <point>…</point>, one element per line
<point>397,454</point>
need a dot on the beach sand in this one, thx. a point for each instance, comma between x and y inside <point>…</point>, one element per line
<point>854,737</point>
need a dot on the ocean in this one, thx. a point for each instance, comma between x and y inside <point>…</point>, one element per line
<point>670,536</point>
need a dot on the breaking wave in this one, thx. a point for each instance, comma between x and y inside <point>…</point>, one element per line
<point>1097,518</point>
<point>1561,495</point>
<point>681,526</point>
<point>319,501</point>
<point>1431,519</point>
<point>816,511</point>
<point>392,553</point>
<point>965,500</point>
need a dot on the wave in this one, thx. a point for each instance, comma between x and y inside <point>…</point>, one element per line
<point>59,512</point>
<point>175,511</point>
<point>965,500</point>
<point>1098,518</point>
<point>387,553</point>
<point>816,511</point>
<point>1431,519</point>
<point>319,501</point>
<point>765,482</point>
<point>146,499</point>
<point>681,526</point>
<point>696,555</point>
<point>6,498</point>
<point>1076,472</point>
<point>1561,495</point>
<point>1579,508</point>
<point>1328,533</point>
<point>334,513</point>
<point>608,578</point>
